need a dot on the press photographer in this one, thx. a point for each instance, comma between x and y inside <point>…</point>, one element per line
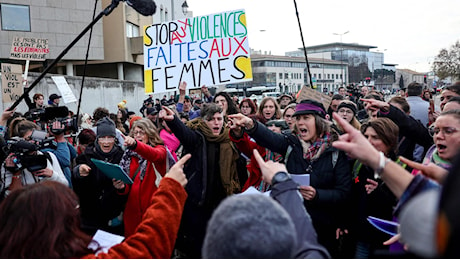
<point>56,122</point>
<point>25,164</point>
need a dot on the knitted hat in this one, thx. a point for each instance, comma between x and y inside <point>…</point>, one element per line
<point>105,127</point>
<point>122,104</point>
<point>133,119</point>
<point>417,223</point>
<point>249,226</point>
<point>308,106</point>
<point>349,105</point>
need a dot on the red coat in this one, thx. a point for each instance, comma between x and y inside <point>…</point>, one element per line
<point>156,235</point>
<point>140,192</point>
<point>246,146</point>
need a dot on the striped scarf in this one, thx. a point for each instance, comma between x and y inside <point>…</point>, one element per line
<point>312,151</point>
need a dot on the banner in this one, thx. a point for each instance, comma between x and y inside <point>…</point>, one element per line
<point>12,87</point>
<point>204,50</point>
<point>29,49</point>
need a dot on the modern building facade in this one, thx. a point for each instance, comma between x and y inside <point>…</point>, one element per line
<point>289,74</point>
<point>363,64</point>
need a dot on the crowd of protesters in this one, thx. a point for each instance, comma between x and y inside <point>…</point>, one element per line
<point>190,158</point>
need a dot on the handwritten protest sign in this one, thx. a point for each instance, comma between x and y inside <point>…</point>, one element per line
<point>308,93</point>
<point>12,87</point>
<point>203,50</point>
<point>29,49</point>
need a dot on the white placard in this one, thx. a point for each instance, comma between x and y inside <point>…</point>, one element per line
<point>64,89</point>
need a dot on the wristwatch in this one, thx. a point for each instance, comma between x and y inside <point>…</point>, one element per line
<point>280,177</point>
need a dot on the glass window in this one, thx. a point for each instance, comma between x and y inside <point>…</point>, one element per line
<point>281,75</point>
<point>319,76</point>
<point>132,30</point>
<point>15,17</point>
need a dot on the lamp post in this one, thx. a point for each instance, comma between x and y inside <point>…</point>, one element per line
<point>341,53</point>
<point>381,68</point>
<point>185,8</point>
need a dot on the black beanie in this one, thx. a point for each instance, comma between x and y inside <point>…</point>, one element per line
<point>351,106</point>
<point>106,127</point>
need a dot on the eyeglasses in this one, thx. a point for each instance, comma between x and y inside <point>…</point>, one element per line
<point>447,131</point>
<point>345,111</point>
<point>106,139</point>
<point>141,132</point>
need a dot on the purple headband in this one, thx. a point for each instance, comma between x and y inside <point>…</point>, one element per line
<point>304,107</point>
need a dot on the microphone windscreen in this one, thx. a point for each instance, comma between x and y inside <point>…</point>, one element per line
<point>144,7</point>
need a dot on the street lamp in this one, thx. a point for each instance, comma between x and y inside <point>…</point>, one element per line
<point>185,7</point>
<point>381,68</point>
<point>341,53</point>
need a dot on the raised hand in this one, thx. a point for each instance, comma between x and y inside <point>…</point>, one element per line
<point>84,170</point>
<point>241,120</point>
<point>166,114</point>
<point>430,170</point>
<point>129,141</point>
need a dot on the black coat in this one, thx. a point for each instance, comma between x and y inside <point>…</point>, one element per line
<point>99,200</point>
<point>204,188</point>
<point>332,183</point>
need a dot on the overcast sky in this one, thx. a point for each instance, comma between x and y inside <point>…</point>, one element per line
<point>412,32</point>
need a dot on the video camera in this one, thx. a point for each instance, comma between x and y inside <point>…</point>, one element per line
<point>22,149</point>
<point>45,118</point>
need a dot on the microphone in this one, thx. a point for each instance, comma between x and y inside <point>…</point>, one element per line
<point>144,7</point>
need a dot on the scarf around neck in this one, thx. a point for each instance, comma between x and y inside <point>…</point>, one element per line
<point>126,162</point>
<point>312,151</point>
<point>228,154</point>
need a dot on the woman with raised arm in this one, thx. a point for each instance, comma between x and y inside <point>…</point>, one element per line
<point>145,162</point>
<point>308,150</point>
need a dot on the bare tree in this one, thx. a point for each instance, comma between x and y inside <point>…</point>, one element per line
<point>447,62</point>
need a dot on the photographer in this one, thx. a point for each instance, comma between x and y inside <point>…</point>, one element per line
<point>64,151</point>
<point>25,164</point>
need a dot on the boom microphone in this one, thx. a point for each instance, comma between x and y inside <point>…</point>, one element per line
<point>144,7</point>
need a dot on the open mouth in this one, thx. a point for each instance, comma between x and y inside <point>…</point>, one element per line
<point>441,148</point>
<point>303,131</point>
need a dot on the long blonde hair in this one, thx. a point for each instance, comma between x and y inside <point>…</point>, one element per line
<point>150,129</point>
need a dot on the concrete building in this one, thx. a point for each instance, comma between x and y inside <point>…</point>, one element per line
<point>409,76</point>
<point>289,74</point>
<point>116,47</point>
<point>362,62</point>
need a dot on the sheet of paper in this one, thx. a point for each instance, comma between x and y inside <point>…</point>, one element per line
<point>302,179</point>
<point>252,190</point>
<point>106,240</point>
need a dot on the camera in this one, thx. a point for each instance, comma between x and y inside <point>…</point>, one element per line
<point>45,118</point>
<point>21,150</point>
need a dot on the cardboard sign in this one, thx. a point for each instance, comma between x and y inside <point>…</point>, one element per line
<point>29,48</point>
<point>308,93</point>
<point>12,87</point>
<point>205,50</point>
